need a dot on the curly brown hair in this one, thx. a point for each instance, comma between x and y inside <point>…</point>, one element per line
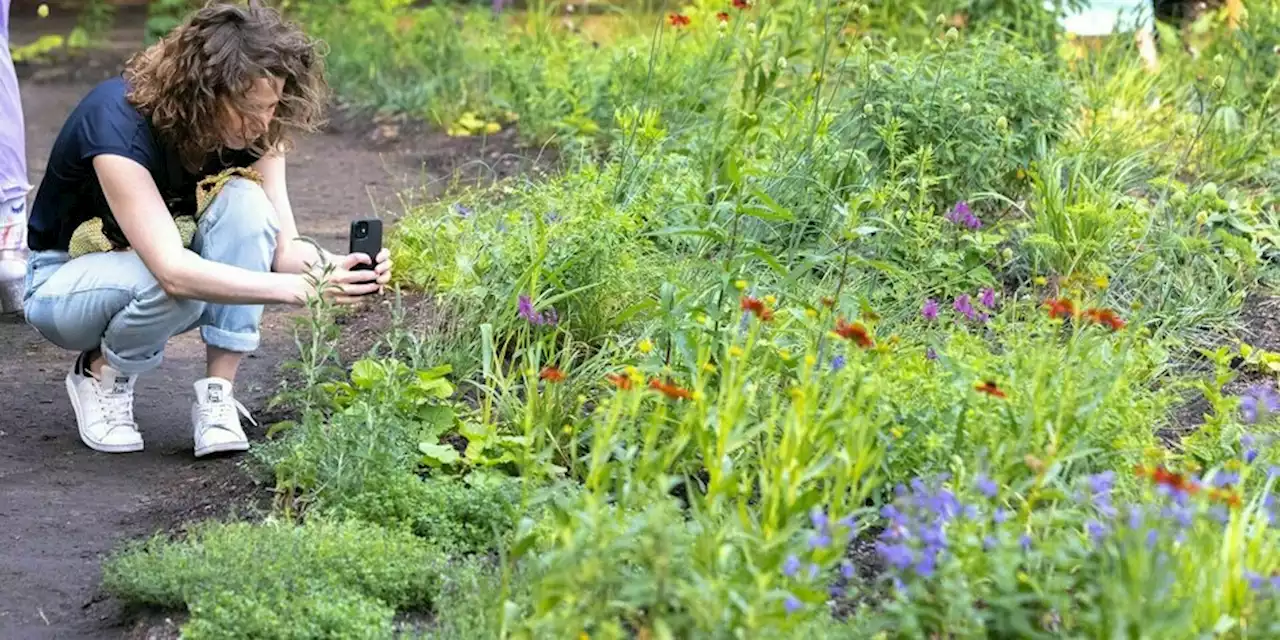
<point>186,80</point>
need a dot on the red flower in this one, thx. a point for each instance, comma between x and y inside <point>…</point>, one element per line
<point>678,20</point>
<point>1106,317</point>
<point>722,16</point>
<point>552,374</point>
<point>741,4</point>
<point>855,332</point>
<point>1173,480</point>
<point>620,381</point>
<point>757,307</point>
<point>990,388</point>
<point>670,390</point>
<point>1060,308</point>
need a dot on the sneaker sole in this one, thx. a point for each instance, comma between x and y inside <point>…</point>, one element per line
<point>222,447</point>
<point>105,448</point>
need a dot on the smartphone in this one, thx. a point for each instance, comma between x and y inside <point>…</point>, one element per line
<point>366,238</point>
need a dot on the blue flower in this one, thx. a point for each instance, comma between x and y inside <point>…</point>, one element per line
<point>898,556</point>
<point>791,566</point>
<point>989,543</point>
<point>1256,582</point>
<point>1000,516</point>
<point>837,363</point>
<point>846,570</point>
<point>986,486</point>
<point>1025,542</point>
<point>819,541</point>
<point>818,518</point>
<point>1153,537</point>
<point>792,604</point>
<point>814,569</point>
<point>1257,402</point>
<point>1097,530</point>
<point>928,561</point>
<point>1135,517</point>
<point>1250,456</point>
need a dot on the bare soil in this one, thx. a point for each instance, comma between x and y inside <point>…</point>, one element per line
<point>64,506</point>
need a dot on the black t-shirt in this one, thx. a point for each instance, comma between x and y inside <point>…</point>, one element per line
<point>105,123</point>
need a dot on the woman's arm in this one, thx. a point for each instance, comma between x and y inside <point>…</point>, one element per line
<point>292,254</point>
<point>146,222</point>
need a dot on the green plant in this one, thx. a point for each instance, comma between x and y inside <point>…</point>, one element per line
<point>278,580</point>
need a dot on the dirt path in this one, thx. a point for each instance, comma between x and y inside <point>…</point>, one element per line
<point>62,506</point>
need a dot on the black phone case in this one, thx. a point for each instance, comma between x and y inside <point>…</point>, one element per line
<point>371,244</point>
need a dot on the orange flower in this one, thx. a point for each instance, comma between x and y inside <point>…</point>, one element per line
<point>670,390</point>
<point>990,388</point>
<point>855,332</point>
<point>741,4</point>
<point>1105,317</point>
<point>828,301</point>
<point>552,374</point>
<point>1061,308</point>
<point>722,16</point>
<point>678,20</point>
<point>1171,479</point>
<point>757,307</point>
<point>621,381</point>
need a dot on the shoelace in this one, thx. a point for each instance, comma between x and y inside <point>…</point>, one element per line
<point>117,408</point>
<point>220,414</point>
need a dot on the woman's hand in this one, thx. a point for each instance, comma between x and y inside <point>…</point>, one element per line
<point>343,283</point>
<point>383,268</point>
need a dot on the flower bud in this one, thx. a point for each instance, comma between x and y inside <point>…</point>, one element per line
<point>868,109</point>
<point>952,34</point>
<point>941,19</point>
<point>1218,83</point>
<point>43,10</point>
<point>1002,123</point>
<point>782,64</point>
<point>867,42</point>
<point>864,10</point>
<point>966,108</point>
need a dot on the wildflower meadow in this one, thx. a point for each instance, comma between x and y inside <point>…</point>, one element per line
<point>832,319</point>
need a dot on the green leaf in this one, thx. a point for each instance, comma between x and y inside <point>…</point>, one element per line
<point>436,419</point>
<point>771,211</point>
<point>366,373</point>
<point>436,454</point>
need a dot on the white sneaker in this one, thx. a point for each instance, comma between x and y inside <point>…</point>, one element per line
<point>104,408</point>
<point>216,418</point>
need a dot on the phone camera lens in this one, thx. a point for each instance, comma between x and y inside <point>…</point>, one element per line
<point>362,229</point>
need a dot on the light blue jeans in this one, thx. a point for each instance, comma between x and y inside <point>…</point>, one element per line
<point>110,301</point>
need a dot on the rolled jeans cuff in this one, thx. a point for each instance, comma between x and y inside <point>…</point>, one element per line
<point>229,340</point>
<point>133,366</point>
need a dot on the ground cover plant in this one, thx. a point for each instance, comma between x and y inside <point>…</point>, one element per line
<point>837,321</point>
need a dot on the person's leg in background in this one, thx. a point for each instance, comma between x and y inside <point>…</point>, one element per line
<point>13,178</point>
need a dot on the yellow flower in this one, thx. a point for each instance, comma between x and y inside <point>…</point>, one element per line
<point>492,128</point>
<point>897,432</point>
<point>735,352</point>
<point>645,346</point>
<point>1040,280</point>
<point>810,360</point>
<point>43,10</point>
<point>811,312</point>
<point>785,353</point>
<point>1023,577</point>
<point>770,300</point>
<point>709,368</point>
<point>1101,282</point>
<point>567,429</point>
<point>698,396</point>
<point>740,284</point>
<point>797,394</point>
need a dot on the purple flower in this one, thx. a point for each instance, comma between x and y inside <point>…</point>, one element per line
<point>988,298</point>
<point>1153,537</point>
<point>898,556</point>
<point>1257,402</point>
<point>930,354</point>
<point>1250,456</point>
<point>986,486</point>
<point>813,570</point>
<point>989,543</point>
<point>837,363</point>
<point>962,215</point>
<point>525,310</point>
<point>819,540</point>
<point>964,306</point>
<point>1000,516</point>
<point>1220,513</point>
<point>1025,542</point>
<point>791,566</point>
<point>792,604</point>
<point>1096,530</point>
<point>1256,582</point>
<point>930,310</point>
<point>1135,517</point>
<point>846,570</point>
<point>1225,479</point>
<point>928,561</point>
<point>818,518</point>
<point>1247,441</point>
<point>462,210</point>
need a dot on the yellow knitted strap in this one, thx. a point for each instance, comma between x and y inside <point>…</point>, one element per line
<point>89,238</point>
<point>210,187</point>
